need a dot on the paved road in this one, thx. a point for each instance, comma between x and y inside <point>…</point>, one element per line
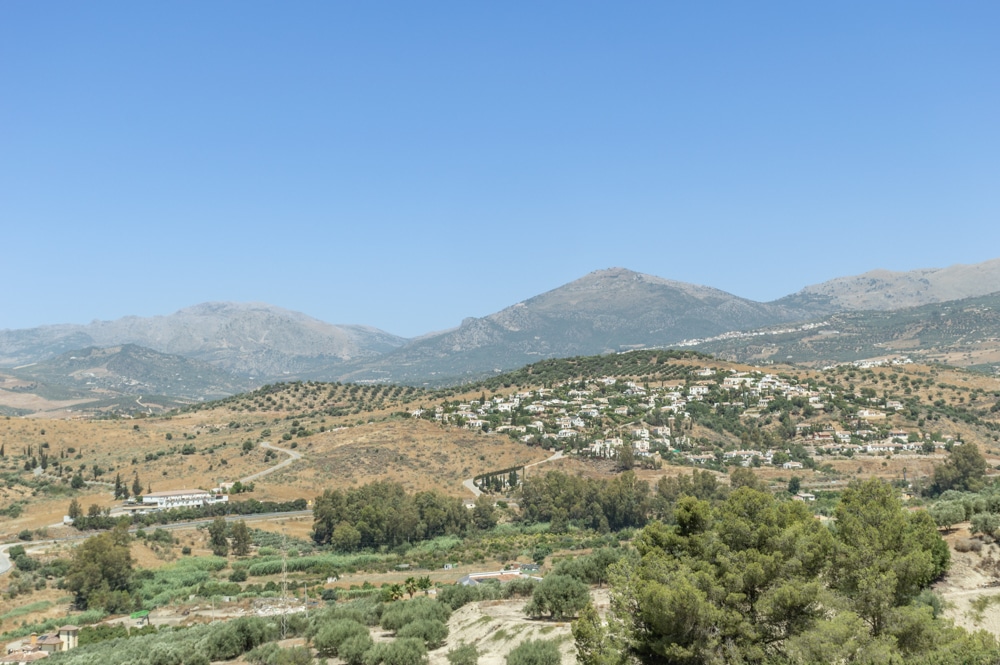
<point>471,486</point>
<point>4,559</point>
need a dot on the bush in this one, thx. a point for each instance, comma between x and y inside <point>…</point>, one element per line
<point>457,595</point>
<point>399,614</point>
<point>464,654</point>
<point>968,545</point>
<point>353,649</point>
<point>431,631</point>
<point>535,652</point>
<point>239,636</point>
<point>332,635</point>
<point>403,651</point>
<point>272,654</point>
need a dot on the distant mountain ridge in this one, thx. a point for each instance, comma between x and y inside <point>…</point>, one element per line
<point>885,290</point>
<point>251,339</point>
<point>604,311</point>
<point>134,370</point>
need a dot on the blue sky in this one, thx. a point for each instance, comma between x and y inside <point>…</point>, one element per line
<point>406,165</point>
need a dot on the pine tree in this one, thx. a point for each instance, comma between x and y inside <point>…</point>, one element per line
<point>136,486</point>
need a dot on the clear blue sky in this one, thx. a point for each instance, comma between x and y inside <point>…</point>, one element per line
<point>408,164</point>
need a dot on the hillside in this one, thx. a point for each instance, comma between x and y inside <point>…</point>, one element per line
<point>675,411</point>
<point>964,333</point>
<point>133,370</point>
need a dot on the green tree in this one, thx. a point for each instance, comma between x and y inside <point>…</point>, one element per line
<point>333,634</point>
<point>885,556</point>
<point>558,596</point>
<point>74,509</point>
<point>626,458</point>
<point>100,572</point>
<point>241,538</point>
<point>947,513</point>
<point>592,640</point>
<point>964,470</point>
<point>484,513</point>
<point>794,485</point>
<point>217,537</point>
<point>345,538</point>
<point>431,631</point>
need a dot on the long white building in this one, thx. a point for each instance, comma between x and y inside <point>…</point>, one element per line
<point>155,501</point>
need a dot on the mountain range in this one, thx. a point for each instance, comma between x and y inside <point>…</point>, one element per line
<point>218,348</point>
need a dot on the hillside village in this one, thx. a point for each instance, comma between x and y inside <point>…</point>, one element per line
<point>597,418</point>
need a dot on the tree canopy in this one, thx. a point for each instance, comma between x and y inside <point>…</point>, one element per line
<point>100,573</point>
<point>964,470</point>
<point>751,579</point>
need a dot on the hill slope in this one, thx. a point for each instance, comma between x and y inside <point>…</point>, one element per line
<point>131,370</point>
<point>964,333</point>
<point>605,311</point>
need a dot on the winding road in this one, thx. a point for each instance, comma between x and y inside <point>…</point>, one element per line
<point>471,486</point>
<point>292,456</point>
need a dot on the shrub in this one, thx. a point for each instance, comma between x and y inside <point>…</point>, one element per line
<point>457,595</point>
<point>399,614</point>
<point>431,631</point>
<point>464,654</point>
<point>403,651</point>
<point>535,652</point>
<point>968,545</point>
<point>332,635</point>
<point>353,649</point>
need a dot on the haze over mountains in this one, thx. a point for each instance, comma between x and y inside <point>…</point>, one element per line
<point>229,346</point>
